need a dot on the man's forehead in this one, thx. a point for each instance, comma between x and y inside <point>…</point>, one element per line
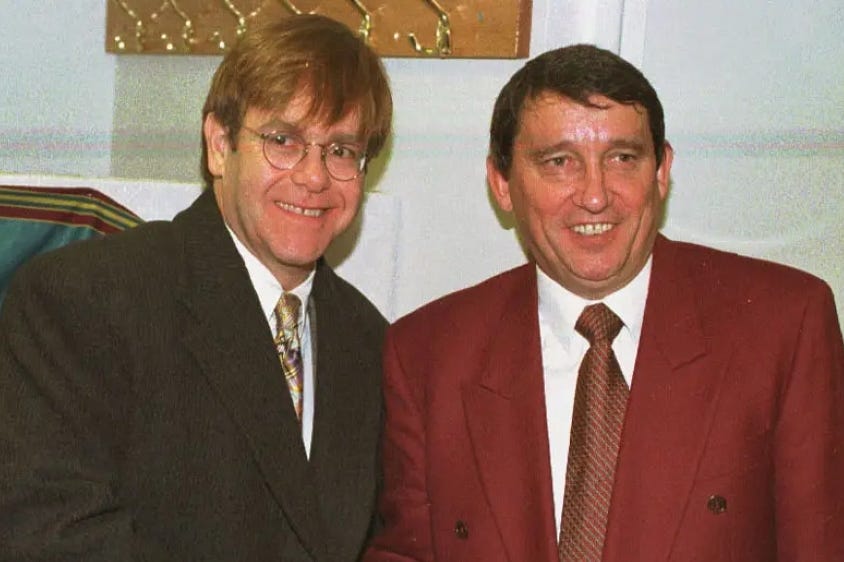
<point>592,101</point>
<point>555,118</point>
<point>300,117</point>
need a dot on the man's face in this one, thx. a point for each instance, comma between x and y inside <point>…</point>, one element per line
<point>286,218</point>
<point>585,190</point>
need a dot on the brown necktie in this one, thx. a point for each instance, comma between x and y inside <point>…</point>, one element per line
<point>287,345</point>
<point>600,400</point>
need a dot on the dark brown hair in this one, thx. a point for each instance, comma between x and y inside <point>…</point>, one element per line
<point>312,54</point>
<point>577,72</point>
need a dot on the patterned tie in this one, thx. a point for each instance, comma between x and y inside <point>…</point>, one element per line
<point>287,344</point>
<point>600,400</point>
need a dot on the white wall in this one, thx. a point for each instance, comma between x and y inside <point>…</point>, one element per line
<point>754,96</point>
<point>56,88</point>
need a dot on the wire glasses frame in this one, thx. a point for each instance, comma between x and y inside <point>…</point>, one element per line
<point>283,151</point>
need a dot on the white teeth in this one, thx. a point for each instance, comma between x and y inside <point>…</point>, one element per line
<point>300,210</point>
<point>592,229</point>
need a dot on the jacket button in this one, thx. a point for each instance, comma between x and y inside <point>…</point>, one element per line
<point>716,504</point>
<point>461,530</point>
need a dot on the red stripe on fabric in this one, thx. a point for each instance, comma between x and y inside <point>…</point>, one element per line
<point>77,191</point>
<point>57,217</point>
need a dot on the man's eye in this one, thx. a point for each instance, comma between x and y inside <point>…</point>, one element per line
<point>281,139</point>
<point>558,161</point>
<point>625,157</point>
<point>344,152</point>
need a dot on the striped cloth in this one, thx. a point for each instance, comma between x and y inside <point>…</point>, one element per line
<point>34,220</point>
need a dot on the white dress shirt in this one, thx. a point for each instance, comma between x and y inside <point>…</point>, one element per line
<point>269,290</point>
<point>563,350</point>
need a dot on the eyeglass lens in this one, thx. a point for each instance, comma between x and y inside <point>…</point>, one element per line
<point>343,161</point>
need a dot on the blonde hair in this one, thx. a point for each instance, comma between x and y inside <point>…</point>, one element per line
<point>305,54</point>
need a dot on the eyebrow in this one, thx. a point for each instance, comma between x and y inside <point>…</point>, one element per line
<point>276,124</point>
<point>347,138</point>
<point>565,145</point>
<point>632,144</point>
<point>279,125</point>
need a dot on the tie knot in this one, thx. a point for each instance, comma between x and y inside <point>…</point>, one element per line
<point>598,323</point>
<point>287,315</point>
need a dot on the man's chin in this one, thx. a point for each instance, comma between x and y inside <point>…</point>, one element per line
<point>594,283</point>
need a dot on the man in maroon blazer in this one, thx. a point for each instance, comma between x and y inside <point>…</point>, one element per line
<point>730,445</point>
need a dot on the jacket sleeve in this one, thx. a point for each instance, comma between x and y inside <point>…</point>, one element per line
<point>404,504</point>
<point>62,412</point>
<point>809,441</point>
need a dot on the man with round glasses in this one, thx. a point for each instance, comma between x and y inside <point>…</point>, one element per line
<point>343,161</point>
<point>208,388</point>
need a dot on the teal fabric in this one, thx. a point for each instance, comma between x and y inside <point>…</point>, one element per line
<point>22,239</point>
<point>34,220</point>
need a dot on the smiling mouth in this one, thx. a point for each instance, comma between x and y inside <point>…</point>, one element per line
<point>300,210</point>
<point>592,229</point>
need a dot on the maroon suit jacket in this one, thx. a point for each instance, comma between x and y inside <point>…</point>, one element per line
<point>733,443</point>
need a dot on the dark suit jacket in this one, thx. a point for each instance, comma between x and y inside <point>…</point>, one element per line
<point>144,416</point>
<point>738,392</point>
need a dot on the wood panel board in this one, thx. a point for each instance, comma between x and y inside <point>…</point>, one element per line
<point>477,28</point>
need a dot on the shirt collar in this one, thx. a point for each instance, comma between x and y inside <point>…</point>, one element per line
<point>267,287</point>
<point>560,307</point>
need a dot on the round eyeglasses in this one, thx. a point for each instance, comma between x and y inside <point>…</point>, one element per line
<point>283,151</point>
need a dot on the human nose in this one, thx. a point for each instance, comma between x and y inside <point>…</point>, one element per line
<point>311,171</point>
<point>592,193</point>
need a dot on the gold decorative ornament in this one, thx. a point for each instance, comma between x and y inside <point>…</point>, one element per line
<point>464,28</point>
<point>443,47</point>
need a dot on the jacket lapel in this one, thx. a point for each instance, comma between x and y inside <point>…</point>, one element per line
<point>230,341</point>
<point>505,412</point>
<point>675,383</point>
<point>347,412</point>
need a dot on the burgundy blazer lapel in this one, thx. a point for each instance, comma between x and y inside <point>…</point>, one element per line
<point>505,414</point>
<point>675,384</point>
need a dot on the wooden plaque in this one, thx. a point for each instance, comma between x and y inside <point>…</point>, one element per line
<point>394,28</point>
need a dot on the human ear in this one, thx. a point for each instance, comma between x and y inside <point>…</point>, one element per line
<point>663,174</point>
<point>498,185</point>
<point>217,144</point>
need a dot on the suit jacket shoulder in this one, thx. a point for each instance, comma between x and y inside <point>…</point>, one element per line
<point>481,304</point>
<point>729,292</point>
<point>150,258</point>
<point>731,271</point>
